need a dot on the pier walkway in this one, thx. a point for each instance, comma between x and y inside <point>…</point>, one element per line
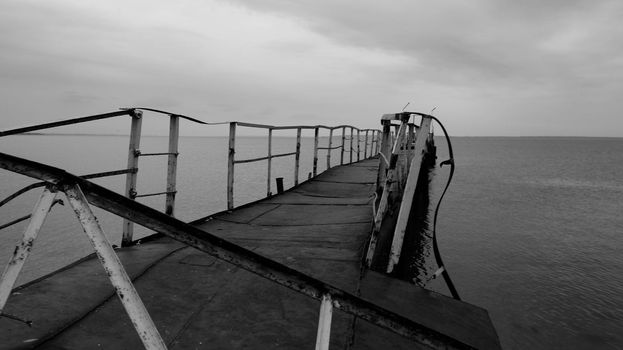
<point>319,228</point>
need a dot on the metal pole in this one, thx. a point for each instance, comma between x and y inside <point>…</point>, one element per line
<point>351,144</point>
<point>358,145</point>
<point>130,299</point>
<point>230,165</point>
<point>315,164</point>
<point>324,323</point>
<point>343,144</point>
<point>174,135</point>
<point>365,146</point>
<point>297,156</point>
<point>270,161</point>
<point>130,179</point>
<point>329,149</point>
<point>22,250</point>
<point>385,151</point>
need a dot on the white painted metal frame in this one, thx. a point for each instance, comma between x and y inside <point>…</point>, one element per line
<point>130,299</point>
<point>130,182</point>
<point>323,336</point>
<point>22,250</point>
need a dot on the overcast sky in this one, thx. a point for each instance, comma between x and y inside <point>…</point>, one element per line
<point>491,67</point>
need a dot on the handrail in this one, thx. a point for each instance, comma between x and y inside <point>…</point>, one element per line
<point>80,190</point>
<point>134,152</point>
<point>232,161</point>
<point>64,122</point>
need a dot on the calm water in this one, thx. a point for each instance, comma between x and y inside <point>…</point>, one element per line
<point>530,228</point>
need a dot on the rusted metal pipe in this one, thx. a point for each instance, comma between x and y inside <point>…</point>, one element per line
<point>130,180</point>
<point>174,135</point>
<point>315,161</point>
<point>230,165</point>
<point>269,160</point>
<point>22,250</point>
<point>329,149</point>
<point>130,299</point>
<point>324,323</point>
<point>297,156</point>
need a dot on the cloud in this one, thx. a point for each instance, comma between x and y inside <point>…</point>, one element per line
<point>314,61</point>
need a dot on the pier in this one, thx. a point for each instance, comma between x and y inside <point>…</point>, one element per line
<point>285,272</point>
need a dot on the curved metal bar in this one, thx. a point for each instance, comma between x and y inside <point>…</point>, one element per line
<point>170,114</point>
<point>87,176</point>
<point>64,122</point>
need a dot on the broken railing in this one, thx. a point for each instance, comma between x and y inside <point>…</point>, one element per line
<point>354,152</point>
<point>401,156</point>
<point>82,193</point>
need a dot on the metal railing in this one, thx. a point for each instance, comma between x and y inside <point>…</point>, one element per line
<point>371,142</point>
<point>82,193</point>
<point>134,153</point>
<point>399,171</point>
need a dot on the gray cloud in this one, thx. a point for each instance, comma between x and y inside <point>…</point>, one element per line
<point>507,64</point>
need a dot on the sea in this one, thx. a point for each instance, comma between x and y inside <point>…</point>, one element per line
<point>531,228</point>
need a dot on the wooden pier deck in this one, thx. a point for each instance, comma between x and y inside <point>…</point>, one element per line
<point>199,302</point>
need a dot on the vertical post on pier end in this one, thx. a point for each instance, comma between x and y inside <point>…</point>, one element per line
<point>270,161</point>
<point>329,149</point>
<point>22,250</point>
<point>343,145</point>
<point>174,135</point>
<point>130,299</point>
<point>230,165</point>
<point>409,193</point>
<point>297,156</point>
<point>315,163</point>
<point>323,336</point>
<point>388,180</point>
<point>130,179</point>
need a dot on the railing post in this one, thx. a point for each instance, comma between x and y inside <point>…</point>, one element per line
<point>130,180</point>
<point>351,144</point>
<point>270,161</point>
<point>297,156</point>
<point>385,151</point>
<point>22,250</point>
<point>324,323</point>
<point>230,165</point>
<point>365,147</point>
<point>358,145</point>
<point>174,135</point>
<point>315,164</point>
<point>343,145</point>
<point>329,149</point>
<point>130,299</point>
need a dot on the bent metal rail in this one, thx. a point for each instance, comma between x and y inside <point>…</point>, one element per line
<point>354,152</point>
